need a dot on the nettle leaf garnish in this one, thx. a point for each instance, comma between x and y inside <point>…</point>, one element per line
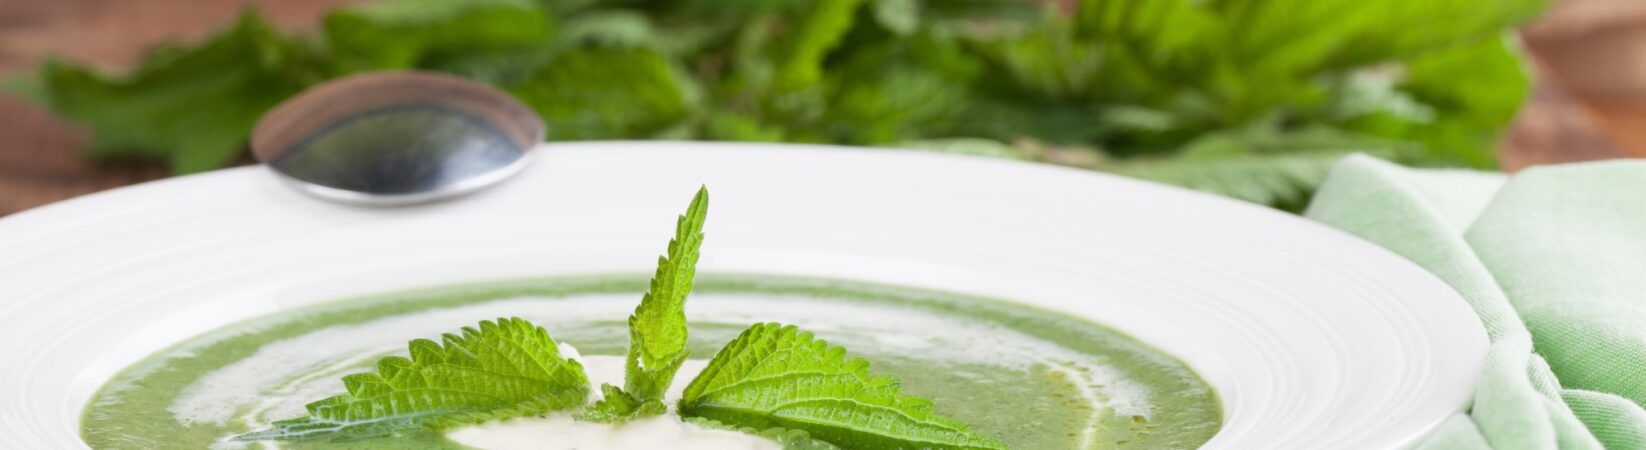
<point>790,439</point>
<point>773,380</point>
<point>775,375</point>
<point>657,329</point>
<point>503,369</point>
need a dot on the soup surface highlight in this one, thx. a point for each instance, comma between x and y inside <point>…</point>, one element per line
<point>1033,378</point>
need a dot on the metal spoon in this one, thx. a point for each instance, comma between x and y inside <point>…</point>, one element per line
<point>394,138</point>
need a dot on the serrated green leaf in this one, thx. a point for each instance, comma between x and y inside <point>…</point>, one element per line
<point>1465,113</point>
<point>657,329</point>
<point>776,64</point>
<point>898,91</point>
<point>799,51</point>
<point>1052,61</point>
<point>606,93</point>
<point>659,323</point>
<point>1290,38</point>
<point>1145,79</point>
<point>191,106</point>
<point>616,27</point>
<point>503,369</point>
<point>399,34</point>
<point>617,406</point>
<point>774,375</point>
<point>789,439</point>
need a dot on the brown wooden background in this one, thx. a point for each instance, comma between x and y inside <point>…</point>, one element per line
<point>1589,102</point>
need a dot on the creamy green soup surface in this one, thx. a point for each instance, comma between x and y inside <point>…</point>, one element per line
<point>1032,378</point>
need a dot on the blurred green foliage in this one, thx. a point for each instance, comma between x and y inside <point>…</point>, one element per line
<point>1249,98</point>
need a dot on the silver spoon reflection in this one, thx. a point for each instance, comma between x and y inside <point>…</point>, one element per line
<point>395,138</point>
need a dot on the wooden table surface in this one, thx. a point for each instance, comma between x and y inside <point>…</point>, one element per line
<point>40,161</point>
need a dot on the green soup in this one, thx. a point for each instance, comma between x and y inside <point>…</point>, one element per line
<point>1033,378</point>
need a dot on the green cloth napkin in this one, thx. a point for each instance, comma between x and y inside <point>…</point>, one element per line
<point>1553,259</point>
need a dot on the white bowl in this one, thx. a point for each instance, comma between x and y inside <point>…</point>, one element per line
<point>1312,338</point>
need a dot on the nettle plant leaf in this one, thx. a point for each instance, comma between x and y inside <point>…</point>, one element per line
<point>657,329</point>
<point>607,93</point>
<point>789,439</point>
<point>775,375</point>
<point>503,369</point>
<point>617,406</point>
<point>192,106</point>
<point>401,34</point>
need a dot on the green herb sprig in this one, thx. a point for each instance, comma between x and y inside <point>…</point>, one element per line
<point>501,369</point>
<point>774,375</point>
<point>773,380</point>
<point>657,329</point>
<point>1248,98</point>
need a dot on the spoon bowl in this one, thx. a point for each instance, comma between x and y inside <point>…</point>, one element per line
<point>393,138</point>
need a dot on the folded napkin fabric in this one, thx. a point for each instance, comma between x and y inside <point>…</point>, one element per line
<point>1553,259</point>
